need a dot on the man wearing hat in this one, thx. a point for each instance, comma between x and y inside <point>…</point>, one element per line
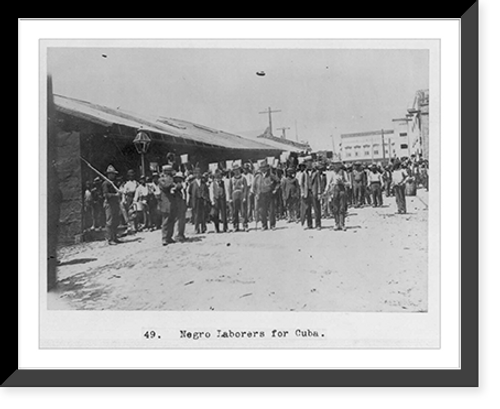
<point>318,186</point>
<point>153,199</point>
<point>337,191</point>
<point>167,204</point>
<point>305,184</point>
<point>111,205</point>
<point>348,185</point>
<point>250,203</point>
<point>218,199</point>
<point>198,196</point>
<point>238,191</point>
<point>375,183</point>
<point>358,187</point>
<point>98,218</point>
<point>291,194</point>
<point>399,178</point>
<point>265,187</point>
<point>179,198</point>
<point>387,179</point>
<point>129,189</point>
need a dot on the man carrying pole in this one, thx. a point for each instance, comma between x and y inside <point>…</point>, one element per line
<point>111,205</point>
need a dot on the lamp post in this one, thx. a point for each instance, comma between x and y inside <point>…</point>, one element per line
<point>141,142</point>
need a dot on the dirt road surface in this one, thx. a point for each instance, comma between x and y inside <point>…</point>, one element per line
<point>378,264</point>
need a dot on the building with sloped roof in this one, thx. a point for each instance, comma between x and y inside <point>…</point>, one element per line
<point>103,136</point>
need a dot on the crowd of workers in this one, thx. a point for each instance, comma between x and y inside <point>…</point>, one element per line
<point>303,191</point>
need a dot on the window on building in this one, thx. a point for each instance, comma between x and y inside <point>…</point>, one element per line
<point>403,133</point>
<point>404,146</point>
<point>348,154</point>
<point>375,151</point>
<point>355,153</point>
<point>367,153</point>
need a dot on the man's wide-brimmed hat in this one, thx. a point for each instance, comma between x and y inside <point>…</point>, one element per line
<point>111,169</point>
<point>167,167</point>
<point>236,166</point>
<point>179,175</point>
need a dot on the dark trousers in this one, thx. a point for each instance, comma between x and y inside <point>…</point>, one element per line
<point>88,217</point>
<point>349,196</point>
<point>250,207</point>
<point>292,208</point>
<point>376,190</point>
<point>339,206</point>
<point>199,216</point>
<point>220,213</point>
<point>367,195</point>
<point>399,192</point>
<point>239,209</point>
<point>167,225</point>
<point>387,188</point>
<point>266,205</point>
<point>112,212</point>
<point>358,193</point>
<point>306,211</point>
<point>97,215</point>
<point>316,205</point>
<point>181,217</point>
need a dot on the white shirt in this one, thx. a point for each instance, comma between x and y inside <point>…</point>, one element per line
<point>140,193</point>
<point>130,186</point>
<point>249,178</point>
<point>374,177</point>
<point>398,176</point>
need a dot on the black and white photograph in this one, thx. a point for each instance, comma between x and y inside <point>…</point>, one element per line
<point>240,177</point>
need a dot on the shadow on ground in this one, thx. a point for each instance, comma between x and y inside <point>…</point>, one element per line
<point>77,261</point>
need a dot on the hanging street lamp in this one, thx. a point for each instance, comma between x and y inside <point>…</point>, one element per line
<point>141,142</point>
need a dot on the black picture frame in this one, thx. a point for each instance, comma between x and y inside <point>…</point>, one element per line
<point>466,376</point>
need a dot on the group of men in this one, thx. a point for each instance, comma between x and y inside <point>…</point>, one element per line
<point>306,194</point>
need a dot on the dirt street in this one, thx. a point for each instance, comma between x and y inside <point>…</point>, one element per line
<point>378,264</point>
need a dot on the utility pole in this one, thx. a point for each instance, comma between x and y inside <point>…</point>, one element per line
<point>269,112</point>
<point>383,147</point>
<point>283,136</point>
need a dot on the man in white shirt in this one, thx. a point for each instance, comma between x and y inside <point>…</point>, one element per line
<point>337,191</point>
<point>129,189</point>
<point>140,200</point>
<point>250,203</point>
<point>399,177</point>
<point>375,182</point>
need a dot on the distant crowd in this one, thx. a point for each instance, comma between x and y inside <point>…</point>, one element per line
<point>305,191</point>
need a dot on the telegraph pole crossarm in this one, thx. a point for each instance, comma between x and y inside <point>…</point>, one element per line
<point>269,112</point>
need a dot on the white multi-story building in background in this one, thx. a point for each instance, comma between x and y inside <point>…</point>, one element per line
<point>372,146</point>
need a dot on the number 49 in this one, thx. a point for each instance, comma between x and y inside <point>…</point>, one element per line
<point>150,334</point>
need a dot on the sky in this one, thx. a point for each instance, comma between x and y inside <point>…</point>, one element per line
<point>321,93</point>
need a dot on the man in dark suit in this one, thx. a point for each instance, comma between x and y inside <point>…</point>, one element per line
<point>199,195</point>
<point>266,185</point>
<point>291,193</point>
<point>318,185</point>
<point>218,199</point>
<point>305,183</point>
<point>358,180</point>
<point>167,205</point>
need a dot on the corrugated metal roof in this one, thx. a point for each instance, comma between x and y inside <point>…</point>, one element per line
<point>168,126</point>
